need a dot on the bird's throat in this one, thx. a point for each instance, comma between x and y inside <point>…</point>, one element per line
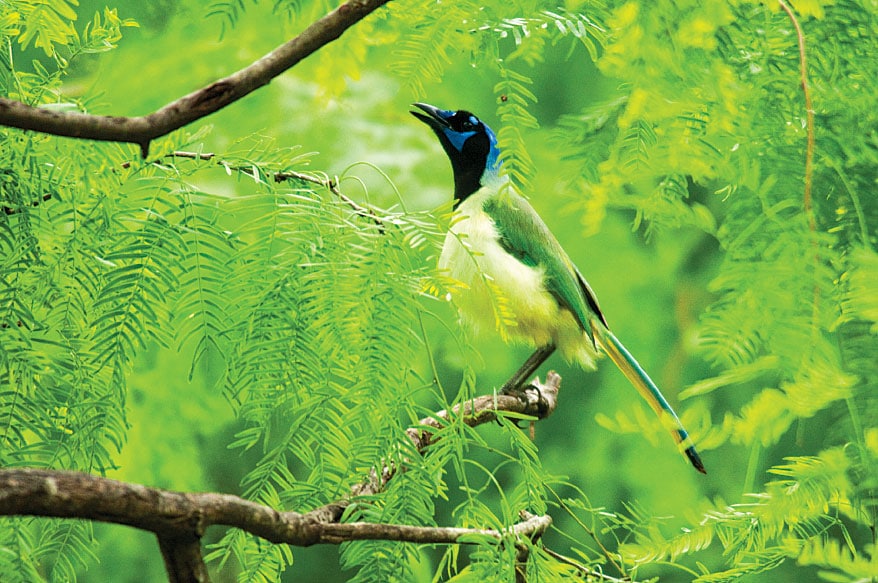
<point>467,180</point>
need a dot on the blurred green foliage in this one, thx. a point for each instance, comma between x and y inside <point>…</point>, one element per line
<point>197,326</point>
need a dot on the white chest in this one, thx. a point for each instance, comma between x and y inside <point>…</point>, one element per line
<point>497,291</point>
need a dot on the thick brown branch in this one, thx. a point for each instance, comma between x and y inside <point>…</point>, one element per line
<point>201,103</point>
<point>178,516</point>
<point>179,519</point>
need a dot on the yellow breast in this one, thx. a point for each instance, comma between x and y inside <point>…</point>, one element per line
<point>500,292</point>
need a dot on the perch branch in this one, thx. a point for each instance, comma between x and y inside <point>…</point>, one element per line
<point>538,400</point>
<point>198,104</point>
<point>180,519</point>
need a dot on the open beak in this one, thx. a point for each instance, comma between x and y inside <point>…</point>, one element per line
<point>434,118</point>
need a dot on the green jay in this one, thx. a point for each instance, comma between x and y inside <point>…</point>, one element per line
<point>499,247</point>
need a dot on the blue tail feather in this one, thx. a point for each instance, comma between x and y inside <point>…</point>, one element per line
<point>648,390</point>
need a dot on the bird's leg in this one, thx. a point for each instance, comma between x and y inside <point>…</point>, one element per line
<point>530,366</point>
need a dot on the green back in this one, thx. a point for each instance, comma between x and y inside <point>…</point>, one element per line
<point>525,236</point>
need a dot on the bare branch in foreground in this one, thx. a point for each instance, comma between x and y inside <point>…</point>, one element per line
<point>201,103</point>
<point>180,519</point>
<point>175,515</point>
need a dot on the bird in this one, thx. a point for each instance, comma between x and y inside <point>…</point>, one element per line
<point>502,252</point>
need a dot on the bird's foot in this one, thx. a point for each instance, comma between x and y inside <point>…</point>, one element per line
<point>514,389</point>
<point>539,398</point>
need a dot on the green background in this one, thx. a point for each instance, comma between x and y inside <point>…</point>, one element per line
<point>656,280</point>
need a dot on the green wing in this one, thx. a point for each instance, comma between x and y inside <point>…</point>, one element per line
<point>525,236</point>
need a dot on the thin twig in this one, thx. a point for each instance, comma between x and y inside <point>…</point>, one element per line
<point>590,573</point>
<point>537,399</point>
<point>332,186</point>
<point>178,154</point>
<point>807,202</point>
<point>319,179</point>
<point>809,114</point>
<point>193,155</point>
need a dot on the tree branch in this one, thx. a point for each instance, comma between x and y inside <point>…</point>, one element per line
<point>179,519</point>
<point>201,103</point>
<point>183,517</point>
<point>537,400</point>
<point>318,178</point>
<point>332,186</point>
<point>589,574</point>
<point>183,560</point>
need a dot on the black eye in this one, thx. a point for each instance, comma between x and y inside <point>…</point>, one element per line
<point>465,121</point>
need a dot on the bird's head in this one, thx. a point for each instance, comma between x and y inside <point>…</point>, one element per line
<point>470,144</point>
